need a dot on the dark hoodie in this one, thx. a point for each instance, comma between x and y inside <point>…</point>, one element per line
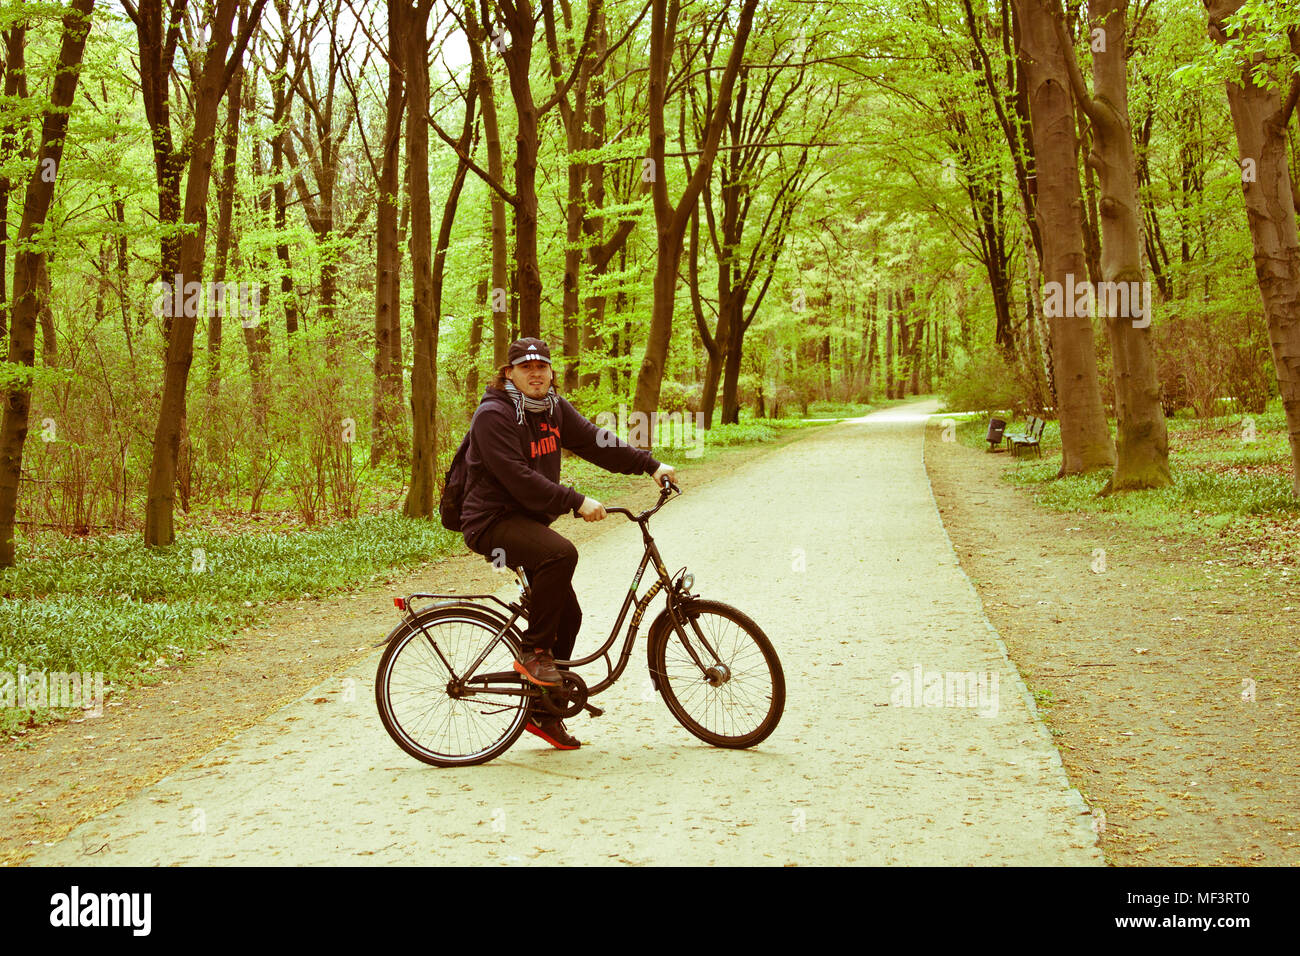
<point>515,468</point>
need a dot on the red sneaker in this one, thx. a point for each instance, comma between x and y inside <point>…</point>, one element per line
<point>539,667</point>
<point>551,729</point>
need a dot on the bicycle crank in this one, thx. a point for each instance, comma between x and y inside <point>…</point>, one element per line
<point>568,699</point>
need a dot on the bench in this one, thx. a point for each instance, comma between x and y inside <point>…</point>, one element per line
<point>1009,437</point>
<point>1031,437</point>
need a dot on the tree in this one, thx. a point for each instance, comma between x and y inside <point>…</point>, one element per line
<point>1143,447</point>
<point>29,265</point>
<point>210,85</point>
<point>671,220</point>
<point>1260,117</point>
<point>1086,444</point>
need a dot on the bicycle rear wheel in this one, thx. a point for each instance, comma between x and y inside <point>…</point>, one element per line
<point>724,683</point>
<point>436,712</point>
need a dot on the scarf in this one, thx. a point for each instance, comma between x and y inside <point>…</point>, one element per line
<point>523,402</point>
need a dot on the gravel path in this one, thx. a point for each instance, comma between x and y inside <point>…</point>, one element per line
<point>833,545</point>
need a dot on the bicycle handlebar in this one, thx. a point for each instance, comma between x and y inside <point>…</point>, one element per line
<point>666,488</point>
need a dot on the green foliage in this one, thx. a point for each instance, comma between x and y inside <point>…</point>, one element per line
<point>1228,471</point>
<point>742,433</point>
<point>110,605</point>
<point>677,396</point>
<point>984,383</point>
<point>838,409</point>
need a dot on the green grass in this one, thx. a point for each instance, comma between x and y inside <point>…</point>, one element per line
<point>1224,475</point>
<point>112,606</point>
<point>841,409</point>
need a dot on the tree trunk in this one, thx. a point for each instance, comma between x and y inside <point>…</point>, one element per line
<point>1142,459</point>
<point>496,170</point>
<point>257,334</point>
<point>424,373</point>
<point>889,343</point>
<point>671,220</point>
<point>1086,444</point>
<point>521,23</point>
<point>715,344</point>
<point>29,263</point>
<point>15,70</point>
<point>209,87</point>
<point>157,46</point>
<point>444,235</point>
<point>593,312</point>
<point>386,412</point>
<point>279,110</point>
<point>1261,125</point>
<point>225,209</point>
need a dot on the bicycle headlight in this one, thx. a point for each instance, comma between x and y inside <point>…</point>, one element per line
<point>688,581</point>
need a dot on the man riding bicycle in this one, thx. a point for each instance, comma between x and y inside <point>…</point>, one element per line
<point>513,495</point>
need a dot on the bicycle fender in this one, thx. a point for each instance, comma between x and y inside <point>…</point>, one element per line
<point>659,627</point>
<point>426,613</point>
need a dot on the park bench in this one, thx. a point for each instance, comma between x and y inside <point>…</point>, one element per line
<point>1031,437</point>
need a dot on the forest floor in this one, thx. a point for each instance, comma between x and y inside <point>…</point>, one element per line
<point>1166,665</point>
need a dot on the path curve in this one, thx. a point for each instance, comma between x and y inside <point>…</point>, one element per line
<point>834,546</point>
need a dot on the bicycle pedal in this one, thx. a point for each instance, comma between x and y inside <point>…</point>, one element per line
<point>593,710</point>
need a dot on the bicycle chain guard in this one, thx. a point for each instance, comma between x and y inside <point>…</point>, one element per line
<point>568,699</point>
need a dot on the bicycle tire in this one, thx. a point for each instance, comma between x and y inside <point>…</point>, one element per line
<point>748,704</point>
<point>413,697</point>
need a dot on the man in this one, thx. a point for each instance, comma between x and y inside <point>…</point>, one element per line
<point>513,494</point>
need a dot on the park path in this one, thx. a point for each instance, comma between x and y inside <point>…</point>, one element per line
<point>834,546</point>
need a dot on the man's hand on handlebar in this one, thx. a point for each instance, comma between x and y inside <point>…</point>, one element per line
<point>591,510</point>
<point>665,471</point>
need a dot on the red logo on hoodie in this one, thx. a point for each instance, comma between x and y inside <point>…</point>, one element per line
<point>547,443</point>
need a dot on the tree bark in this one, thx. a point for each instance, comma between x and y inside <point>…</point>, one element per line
<point>1086,444</point>
<point>520,21</point>
<point>157,46</point>
<point>15,87</point>
<point>1142,459</point>
<point>209,87</point>
<point>386,410</point>
<point>496,170</point>
<point>257,335</point>
<point>225,209</point>
<point>29,264</point>
<point>1261,120</point>
<point>424,373</point>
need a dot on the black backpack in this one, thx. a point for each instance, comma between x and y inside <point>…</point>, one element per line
<point>454,488</point>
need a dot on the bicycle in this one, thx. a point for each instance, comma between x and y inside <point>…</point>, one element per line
<point>448,694</point>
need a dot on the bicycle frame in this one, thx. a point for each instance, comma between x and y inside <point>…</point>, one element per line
<point>613,670</point>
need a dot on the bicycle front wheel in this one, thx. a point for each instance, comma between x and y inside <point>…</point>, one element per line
<point>723,682</point>
<point>433,708</point>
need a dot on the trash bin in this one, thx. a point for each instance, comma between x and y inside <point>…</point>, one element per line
<point>994,435</point>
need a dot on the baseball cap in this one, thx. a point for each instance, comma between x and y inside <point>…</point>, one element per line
<point>528,350</point>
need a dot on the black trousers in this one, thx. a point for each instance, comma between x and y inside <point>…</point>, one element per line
<point>548,558</point>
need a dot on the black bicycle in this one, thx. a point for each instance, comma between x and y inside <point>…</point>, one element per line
<point>449,695</point>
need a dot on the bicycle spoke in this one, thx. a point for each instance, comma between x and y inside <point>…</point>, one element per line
<point>733,707</point>
<point>414,690</point>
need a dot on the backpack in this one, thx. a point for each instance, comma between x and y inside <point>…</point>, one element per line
<point>454,488</point>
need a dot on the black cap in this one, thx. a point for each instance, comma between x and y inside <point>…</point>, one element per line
<point>528,350</point>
